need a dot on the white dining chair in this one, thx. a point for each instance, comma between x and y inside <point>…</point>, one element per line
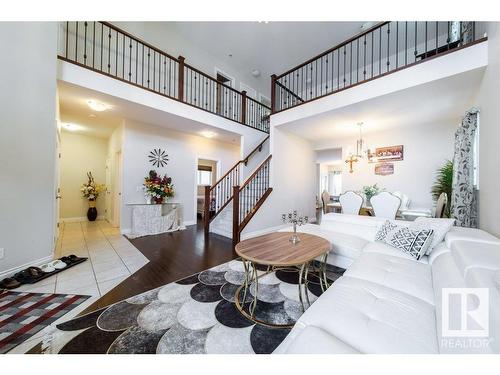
<point>405,200</point>
<point>325,198</point>
<point>385,205</point>
<point>350,203</point>
<point>441,204</point>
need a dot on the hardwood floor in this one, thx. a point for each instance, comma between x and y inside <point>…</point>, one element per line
<point>172,256</point>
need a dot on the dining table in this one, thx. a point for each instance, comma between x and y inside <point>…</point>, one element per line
<point>405,214</point>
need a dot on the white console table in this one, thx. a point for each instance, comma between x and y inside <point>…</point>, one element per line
<point>148,219</point>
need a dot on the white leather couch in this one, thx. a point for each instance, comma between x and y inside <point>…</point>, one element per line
<point>388,302</point>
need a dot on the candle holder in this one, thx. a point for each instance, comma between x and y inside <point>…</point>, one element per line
<point>293,218</point>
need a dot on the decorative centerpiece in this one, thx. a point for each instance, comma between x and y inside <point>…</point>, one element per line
<point>370,191</point>
<point>91,191</point>
<point>157,188</point>
<point>292,218</point>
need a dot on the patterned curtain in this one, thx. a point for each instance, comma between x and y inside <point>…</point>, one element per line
<point>463,198</point>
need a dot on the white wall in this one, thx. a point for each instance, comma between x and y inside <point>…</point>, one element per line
<point>487,101</point>
<point>27,142</point>
<point>293,179</point>
<point>426,147</point>
<point>81,154</point>
<point>183,150</point>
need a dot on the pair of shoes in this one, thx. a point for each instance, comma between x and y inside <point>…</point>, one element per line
<point>70,259</point>
<point>9,283</point>
<point>54,265</point>
<point>29,276</point>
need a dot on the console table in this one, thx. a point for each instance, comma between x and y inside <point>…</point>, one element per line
<point>148,219</point>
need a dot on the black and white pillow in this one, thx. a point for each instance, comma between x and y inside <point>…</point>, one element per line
<point>412,242</point>
<point>385,230</point>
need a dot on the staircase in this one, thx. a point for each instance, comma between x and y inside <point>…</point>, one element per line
<point>220,207</point>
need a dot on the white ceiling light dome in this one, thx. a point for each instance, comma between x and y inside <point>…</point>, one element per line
<point>97,106</point>
<point>256,73</point>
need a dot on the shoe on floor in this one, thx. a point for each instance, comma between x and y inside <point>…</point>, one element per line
<point>9,283</point>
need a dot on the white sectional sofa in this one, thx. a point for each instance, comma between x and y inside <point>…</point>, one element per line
<point>388,302</point>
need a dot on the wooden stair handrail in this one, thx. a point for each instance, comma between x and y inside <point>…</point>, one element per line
<point>237,226</point>
<point>245,160</point>
<point>210,190</point>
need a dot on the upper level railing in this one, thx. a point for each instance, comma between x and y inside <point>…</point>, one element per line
<point>105,48</point>
<point>383,49</point>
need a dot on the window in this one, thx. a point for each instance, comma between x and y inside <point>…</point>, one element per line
<point>204,175</point>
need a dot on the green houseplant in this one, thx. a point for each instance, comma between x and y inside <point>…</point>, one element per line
<point>443,184</point>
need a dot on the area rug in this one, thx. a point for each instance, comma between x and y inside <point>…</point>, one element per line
<point>24,314</point>
<point>194,315</point>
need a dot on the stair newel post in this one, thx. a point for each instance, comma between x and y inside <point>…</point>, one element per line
<point>206,210</point>
<point>243,107</point>
<point>236,215</point>
<point>273,93</point>
<point>181,78</point>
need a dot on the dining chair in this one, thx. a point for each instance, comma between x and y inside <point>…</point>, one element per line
<point>385,205</point>
<point>405,200</point>
<point>325,198</point>
<point>441,204</point>
<point>350,203</point>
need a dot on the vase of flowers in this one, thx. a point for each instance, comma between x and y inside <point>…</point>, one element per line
<point>158,188</point>
<point>90,191</point>
<point>370,191</point>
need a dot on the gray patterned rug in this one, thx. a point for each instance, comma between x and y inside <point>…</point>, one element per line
<point>191,316</point>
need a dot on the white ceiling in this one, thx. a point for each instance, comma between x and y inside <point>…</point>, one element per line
<point>271,48</point>
<point>445,99</point>
<point>74,110</point>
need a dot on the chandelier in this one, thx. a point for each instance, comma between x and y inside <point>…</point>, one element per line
<point>361,150</point>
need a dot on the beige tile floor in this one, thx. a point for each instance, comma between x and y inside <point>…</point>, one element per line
<point>112,258</point>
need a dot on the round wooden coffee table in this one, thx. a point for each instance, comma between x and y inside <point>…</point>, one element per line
<point>276,251</point>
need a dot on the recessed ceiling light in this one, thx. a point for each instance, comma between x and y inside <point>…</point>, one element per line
<point>92,115</point>
<point>208,134</point>
<point>256,72</point>
<point>72,127</point>
<point>97,106</point>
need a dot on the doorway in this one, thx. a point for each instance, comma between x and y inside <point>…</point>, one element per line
<point>224,99</point>
<point>206,175</point>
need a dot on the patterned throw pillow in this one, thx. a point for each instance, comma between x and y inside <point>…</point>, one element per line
<point>385,230</point>
<point>411,242</point>
<point>439,226</point>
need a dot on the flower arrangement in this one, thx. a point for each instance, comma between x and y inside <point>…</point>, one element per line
<point>91,190</point>
<point>158,188</point>
<point>370,191</point>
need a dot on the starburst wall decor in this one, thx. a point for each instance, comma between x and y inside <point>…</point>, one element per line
<point>158,157</point>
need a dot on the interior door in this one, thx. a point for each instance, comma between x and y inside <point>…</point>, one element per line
<point>118,189</point>
<point>57,200</point>
<point>108,197</point>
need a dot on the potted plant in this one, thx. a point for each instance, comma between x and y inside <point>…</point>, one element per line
<point>443,184</point>
<point>91,191</point>
<point>370,191</point>
<point>158,188</point>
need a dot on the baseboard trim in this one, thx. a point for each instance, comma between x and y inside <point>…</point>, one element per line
<point>34,263</point>
<point>79,219</point>
<point>190,222</point>
<point>261,232</point>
